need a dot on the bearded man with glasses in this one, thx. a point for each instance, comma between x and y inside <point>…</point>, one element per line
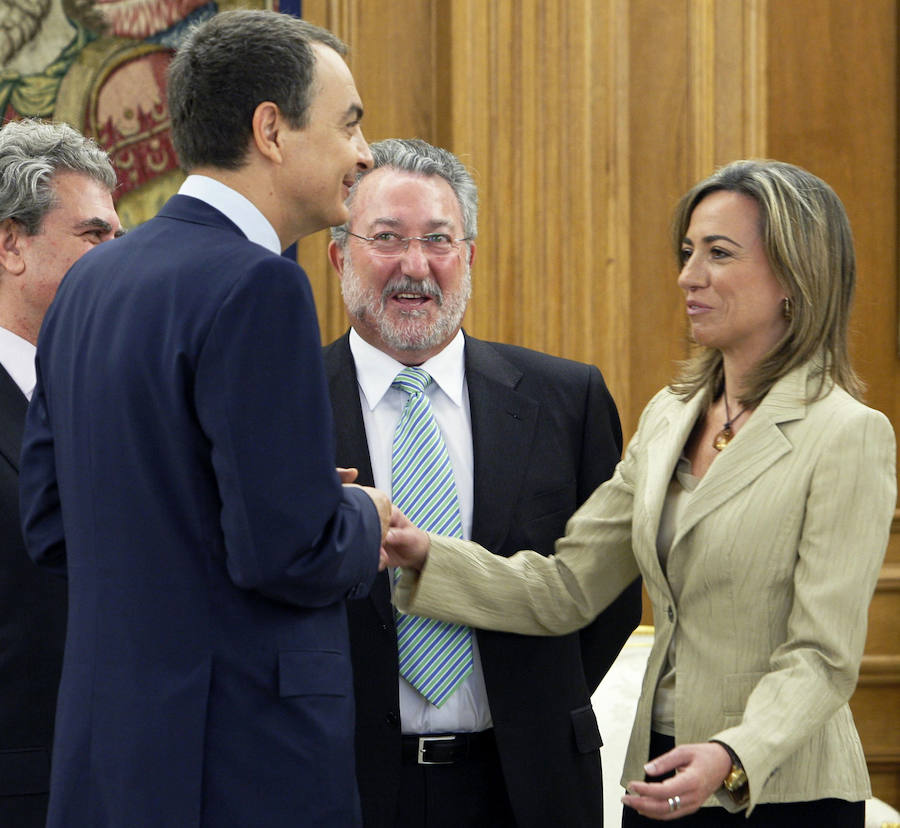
<point>505,735</point>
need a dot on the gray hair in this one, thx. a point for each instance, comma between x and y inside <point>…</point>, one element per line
<point>32,152</point>
<point>413,155</point>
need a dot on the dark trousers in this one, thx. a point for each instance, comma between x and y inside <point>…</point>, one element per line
<point>821,813</point>
<point>469,792</point>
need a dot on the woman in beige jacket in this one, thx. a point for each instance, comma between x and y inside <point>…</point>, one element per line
<point>755,500</point>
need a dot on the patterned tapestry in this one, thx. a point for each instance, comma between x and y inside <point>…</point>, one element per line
<point>100,66</point>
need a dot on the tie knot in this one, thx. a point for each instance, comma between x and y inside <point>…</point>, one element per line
<point>412,380</point>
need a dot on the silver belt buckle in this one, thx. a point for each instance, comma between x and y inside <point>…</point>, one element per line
<point>423,741</point>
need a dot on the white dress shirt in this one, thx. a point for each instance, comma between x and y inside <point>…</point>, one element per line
<point>467,709</point>
<point>17,357</point>
<point>243,212</point>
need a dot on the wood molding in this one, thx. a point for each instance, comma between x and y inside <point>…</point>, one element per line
<point>889,579</point>
<point>755,78</point>
<point>881,761</point>
<point>878,670</point>
<point>617,122</point>
<point>727,82</point>
<point>702,87</point>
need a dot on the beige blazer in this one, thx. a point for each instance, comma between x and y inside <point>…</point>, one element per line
<point>775,561</point>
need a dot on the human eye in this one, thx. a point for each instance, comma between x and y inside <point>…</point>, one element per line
<point>719,253</point>
<point>438,242</point>
<point>386,241</point>
<point>684,254</point>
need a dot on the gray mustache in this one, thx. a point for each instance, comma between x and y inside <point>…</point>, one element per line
<point>427,287</point>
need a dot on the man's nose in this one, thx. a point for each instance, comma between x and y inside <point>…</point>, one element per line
<point>415,259</point>
<point>364,160</point>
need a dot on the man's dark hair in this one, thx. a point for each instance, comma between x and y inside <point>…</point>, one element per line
<point>229,65</point>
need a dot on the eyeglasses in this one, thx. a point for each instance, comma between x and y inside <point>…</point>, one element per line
<point>387,243</point>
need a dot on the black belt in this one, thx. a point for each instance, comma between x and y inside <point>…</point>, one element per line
<point>446,748</point>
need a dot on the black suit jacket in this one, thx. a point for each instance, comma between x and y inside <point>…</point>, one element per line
<point>545,434</point>
<point>32,635</point>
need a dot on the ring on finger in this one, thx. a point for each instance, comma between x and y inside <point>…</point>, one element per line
<point>672,805</point>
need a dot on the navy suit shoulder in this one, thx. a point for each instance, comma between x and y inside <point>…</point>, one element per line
<point>545,433</point>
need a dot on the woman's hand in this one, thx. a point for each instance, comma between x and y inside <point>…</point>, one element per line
<point>699,771</point>
<point>406,545</point>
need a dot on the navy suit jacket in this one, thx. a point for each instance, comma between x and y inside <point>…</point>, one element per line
<point>178,466</point>
<point>32,631</point>
<point>545,434</point>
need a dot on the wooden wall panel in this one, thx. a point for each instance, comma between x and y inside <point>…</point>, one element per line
<point>659,110</point>
<point>832,92</point>
<point>584,121</point>
<point>833,110</point>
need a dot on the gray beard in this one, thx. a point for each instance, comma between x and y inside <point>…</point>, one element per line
<point>412,332</point>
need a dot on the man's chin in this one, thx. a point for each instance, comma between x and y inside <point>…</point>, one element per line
<point>339,215</point>
<point>406,341</point>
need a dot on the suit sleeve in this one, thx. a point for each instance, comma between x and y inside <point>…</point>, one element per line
<point>42,523</point>
<point>291,530</point>
<point>603,639</point>
<point>849,505</point>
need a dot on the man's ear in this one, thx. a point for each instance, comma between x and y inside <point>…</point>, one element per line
<point>336,257</point>
<point>267,127</point>
<point>11,258</point>
<point>471,254</point>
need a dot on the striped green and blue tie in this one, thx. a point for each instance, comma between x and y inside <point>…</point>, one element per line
<point>435,656</point>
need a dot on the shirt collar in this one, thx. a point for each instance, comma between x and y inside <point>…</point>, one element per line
<point>243,212</point>
<point>17,357</point>
<point>375,370</point>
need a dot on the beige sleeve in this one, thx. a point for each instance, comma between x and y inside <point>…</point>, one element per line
<point>529,593</point>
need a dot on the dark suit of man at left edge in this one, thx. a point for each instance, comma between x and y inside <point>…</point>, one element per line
<point>55,205</point>
<point>178,465</point>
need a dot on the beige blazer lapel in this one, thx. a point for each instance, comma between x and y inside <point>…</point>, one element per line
<point>663,450</point>
<point>755,448</point>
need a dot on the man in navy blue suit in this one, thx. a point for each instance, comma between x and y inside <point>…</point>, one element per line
<point>178,466</point>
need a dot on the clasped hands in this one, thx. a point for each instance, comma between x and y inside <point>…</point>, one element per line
<point>402,543</point>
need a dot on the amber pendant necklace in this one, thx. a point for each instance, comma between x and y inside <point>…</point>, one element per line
<point>723,438</point>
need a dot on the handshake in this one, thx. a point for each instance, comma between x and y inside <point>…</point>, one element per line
<point>402,543</point>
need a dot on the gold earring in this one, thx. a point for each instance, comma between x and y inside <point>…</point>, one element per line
<point>787,309</point>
